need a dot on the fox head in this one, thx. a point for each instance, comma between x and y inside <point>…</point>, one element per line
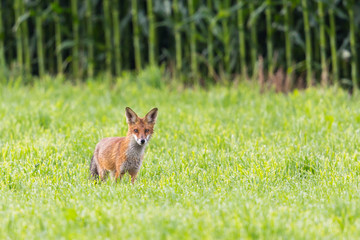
<point>141,128</point>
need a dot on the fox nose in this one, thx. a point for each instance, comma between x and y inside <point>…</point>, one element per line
<point>142,141</point>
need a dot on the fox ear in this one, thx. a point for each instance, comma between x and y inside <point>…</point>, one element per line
<point>152,115</point>
<point>130,115</point>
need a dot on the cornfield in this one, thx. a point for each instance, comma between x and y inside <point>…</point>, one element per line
<point>293,43</point>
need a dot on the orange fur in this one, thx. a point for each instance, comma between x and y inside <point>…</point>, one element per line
<point>119,155</point>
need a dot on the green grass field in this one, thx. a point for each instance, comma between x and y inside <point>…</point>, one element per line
<point>226,162</point>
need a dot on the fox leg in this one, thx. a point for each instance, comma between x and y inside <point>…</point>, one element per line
<point>112,174</point>
<point>94,174</point>
<point>118,175</point>
<point>102,174</point>
<point>133,177</point>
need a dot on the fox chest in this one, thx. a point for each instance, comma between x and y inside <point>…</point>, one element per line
<point>133,161</point>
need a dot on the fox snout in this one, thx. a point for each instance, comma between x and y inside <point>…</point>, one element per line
<point>140,140</point>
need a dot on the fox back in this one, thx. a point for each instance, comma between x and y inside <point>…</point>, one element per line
<point>119,155</point>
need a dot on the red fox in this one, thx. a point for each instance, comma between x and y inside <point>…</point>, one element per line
<point>119,155</point>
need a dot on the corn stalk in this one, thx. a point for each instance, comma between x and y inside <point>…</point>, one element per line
<point>354,76</point>
<point>226,35</point>
<point>151,19</point>
<point>2,36</point>
<point>136,32</point>
<point>335,70</point>
<point>39,41</point>
<point>242,39</point>
<point>18,34</point>
<point>322,43</point>
<point>177,33</point>
<point>269,40</point>
<point>25,32</point>
<point>308,56</point>
<point>210,42</point>
<point>287,40</point>
<point>116,37</point>
<point>90,35</point>
<point>75,50</point>
<point>59,59</point>
<point>254,40</point>
<point>107,29</point>
<point>192,40</point>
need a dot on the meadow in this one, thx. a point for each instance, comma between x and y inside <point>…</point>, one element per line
<point>226,162</point>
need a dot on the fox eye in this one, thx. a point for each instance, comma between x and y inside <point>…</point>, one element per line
<point>136,131</point>
<point>147,130</point>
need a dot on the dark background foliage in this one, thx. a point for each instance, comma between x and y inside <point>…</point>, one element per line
<point>289,43</point>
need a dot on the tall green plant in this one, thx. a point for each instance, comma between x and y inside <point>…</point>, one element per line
<point>241,27</point>
<point>177,33</point>
<point>90,35</point>
<point>308,54</point>
<point>2,36</point>
<point>196,29</point>
<point>107,29</point>
<point>226,34</point>
<point>39,41</point>
<point>350,7</point>
<point>18,33</point>
<point>322,42</point>
<point>59,59</point>
<point>116,37</point>
<point>151,19</point>
<point>210,40</point>
<point>25,37</point>
<point>194,70</point>
<point>269,37</point>
<point>136,34</point>
<point>288,53</point>
<point>253,37</point>
<point>334,60</point>
<point>76,47</point>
